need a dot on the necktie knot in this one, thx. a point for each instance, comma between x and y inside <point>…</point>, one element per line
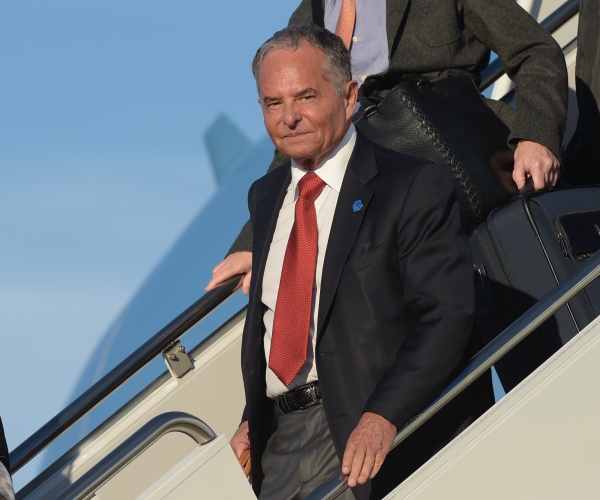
<point>310,186</point>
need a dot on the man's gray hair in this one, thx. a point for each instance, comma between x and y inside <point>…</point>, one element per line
<point>336,68</point>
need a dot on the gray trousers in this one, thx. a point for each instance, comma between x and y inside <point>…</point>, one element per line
<point>299,456</point>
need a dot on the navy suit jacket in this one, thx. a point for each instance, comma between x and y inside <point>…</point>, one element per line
<point>396,303</point>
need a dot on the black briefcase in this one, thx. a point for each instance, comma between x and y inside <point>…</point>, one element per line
<point>447,122</point>
<point>521,252</point>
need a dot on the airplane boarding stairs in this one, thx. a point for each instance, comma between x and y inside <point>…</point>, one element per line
<point>171,440</point>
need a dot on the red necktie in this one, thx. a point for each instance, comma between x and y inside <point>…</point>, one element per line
<point>345,24</point>
<point>293,310</point>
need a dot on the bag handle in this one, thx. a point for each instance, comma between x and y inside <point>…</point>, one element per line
<point>375,88</point>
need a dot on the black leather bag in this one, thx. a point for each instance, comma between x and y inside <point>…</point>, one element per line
<point>448,122</point>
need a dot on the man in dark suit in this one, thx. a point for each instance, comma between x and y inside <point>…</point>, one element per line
<point>444,38</point>
<point>390,289</point>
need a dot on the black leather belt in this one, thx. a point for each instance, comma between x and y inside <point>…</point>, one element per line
<point>301,398</point>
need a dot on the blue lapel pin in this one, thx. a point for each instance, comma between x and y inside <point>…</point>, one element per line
<point>357,205</point>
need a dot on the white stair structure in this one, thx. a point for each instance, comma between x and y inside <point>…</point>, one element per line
<point>540,441</point>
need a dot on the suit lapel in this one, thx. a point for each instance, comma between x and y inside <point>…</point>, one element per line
<point>344,229</point>
<point>318,12</point>
<point>268,203</point>
<point>395,12</point>
<point>346,222</point>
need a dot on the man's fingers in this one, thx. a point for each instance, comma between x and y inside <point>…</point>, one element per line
<point>246,283</point>
<point>235,263</point>
<point>377,465</point>
<point>366,469</point>
<point>539,171</point>
<point>519,176</point>
<point>539,179</point>
<point>347,459</point>
<point>354,464</point>
<point>241,434</point>
<point>367,448</point>
<point>536,161</point>
<point>219,266</point>
<point>361,462</point>
<point>220,273</point>
<point>240,442</point>
<point>364,464</point>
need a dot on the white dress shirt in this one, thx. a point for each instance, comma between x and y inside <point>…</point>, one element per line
<point>332,173</point>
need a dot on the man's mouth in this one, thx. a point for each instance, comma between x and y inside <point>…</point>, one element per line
<point>294,135</point>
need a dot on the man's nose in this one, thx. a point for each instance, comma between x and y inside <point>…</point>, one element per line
<point>291,114</point>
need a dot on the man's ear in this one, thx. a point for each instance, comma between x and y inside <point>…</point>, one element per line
<point>351,96</point>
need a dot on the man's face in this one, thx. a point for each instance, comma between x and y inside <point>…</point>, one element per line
<point>304,116</point>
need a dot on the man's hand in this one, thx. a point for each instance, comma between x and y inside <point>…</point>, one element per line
<point>536,161</point>
<point>240,441</point>
<point>235,263</point>
<point>367,447</point>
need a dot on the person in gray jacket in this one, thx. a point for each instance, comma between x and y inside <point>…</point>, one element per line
<point>441,39</point>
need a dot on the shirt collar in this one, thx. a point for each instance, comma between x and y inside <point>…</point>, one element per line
<point>332,170</point>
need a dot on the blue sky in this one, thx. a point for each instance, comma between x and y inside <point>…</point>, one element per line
<point>103,107</point>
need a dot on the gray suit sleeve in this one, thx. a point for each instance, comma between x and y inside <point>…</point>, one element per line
<point>533,61</point>
<point>303,14</point>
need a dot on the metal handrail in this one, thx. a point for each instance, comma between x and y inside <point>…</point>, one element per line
<point>484,359</point>
<point>33,445</point>
<point>133,446</point>
<point>551,23</point>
